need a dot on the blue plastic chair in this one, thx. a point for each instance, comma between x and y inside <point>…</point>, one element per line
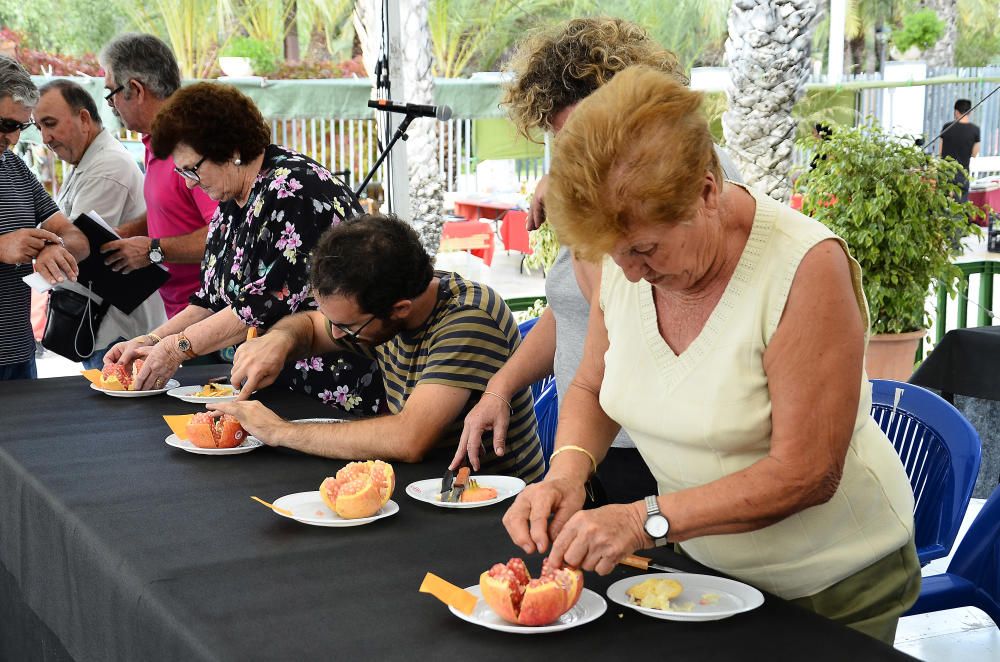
<point>940,451</point>
<point>539,386</point>
<point>973,576</point>
<point>547,415</point>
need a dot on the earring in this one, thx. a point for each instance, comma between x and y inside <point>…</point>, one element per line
<point>237,162</point>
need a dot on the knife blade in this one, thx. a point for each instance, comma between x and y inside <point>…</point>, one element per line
<point>461,480</point>
<point>643,563</point>
<point>447,481</point>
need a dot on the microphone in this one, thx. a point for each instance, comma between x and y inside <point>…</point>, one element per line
<point>442,113</point>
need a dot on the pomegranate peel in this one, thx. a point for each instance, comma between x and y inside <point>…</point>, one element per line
<point>359,489</point>
<point>205,431</point>
<point>510,591</point>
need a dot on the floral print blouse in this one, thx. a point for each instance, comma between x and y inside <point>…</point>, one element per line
<point>257,264</point>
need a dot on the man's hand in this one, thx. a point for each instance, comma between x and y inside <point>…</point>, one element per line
<point>255,418</point>
<point>56,264</point>
<point>536,212</point>
<point>258,362</point>
<point>22,246</point>
<point>127,254</point>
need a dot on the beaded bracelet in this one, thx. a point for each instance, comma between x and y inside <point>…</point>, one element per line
<point>505,400</point>
<point>575,448</point>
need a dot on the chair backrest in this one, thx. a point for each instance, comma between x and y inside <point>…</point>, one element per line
<point>547,415</point>
<point>978,555</point>
<point>940,451</point>
<point>536,388</point>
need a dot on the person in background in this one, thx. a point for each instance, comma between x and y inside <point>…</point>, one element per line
<point>553,70</point>
<point>274,205</point>
<point>105,179</point>
<point>141,74</point>
<point>728,338</point>
<point>438,339</point>
<point>31,228</point>
<point>960,141</point>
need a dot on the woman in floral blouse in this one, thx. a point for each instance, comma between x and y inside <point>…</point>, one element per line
<point>274,205</point>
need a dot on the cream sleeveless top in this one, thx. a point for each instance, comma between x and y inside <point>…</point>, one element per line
<point>707,413</point>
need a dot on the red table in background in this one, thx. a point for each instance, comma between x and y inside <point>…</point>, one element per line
<point>983,199</point>
<point>473,210</point>
<point>475,237</point>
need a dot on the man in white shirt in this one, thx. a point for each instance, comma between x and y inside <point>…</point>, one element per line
<point>105,179</point>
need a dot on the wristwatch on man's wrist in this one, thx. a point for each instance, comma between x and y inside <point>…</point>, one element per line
<point>155,252</point>
<point>656,525</point>
<point>184,346</point>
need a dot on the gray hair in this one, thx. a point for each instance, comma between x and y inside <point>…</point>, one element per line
<point>15,82</point>
<point>144,58</point>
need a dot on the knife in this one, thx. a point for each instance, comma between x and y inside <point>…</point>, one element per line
<point>446,483</point>
<point>643,563</point>
<point>461,480</point>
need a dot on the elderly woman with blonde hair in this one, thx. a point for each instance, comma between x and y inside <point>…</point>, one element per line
<point>728,339</point>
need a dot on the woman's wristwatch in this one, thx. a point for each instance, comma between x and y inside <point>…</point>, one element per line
<point>184,346</point>
<point>656,525</point>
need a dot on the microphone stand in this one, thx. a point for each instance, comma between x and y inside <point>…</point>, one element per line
<point>400,133</point>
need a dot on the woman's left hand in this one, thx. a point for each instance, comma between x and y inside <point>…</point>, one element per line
<point>596,540</point>
<point>160,362</point>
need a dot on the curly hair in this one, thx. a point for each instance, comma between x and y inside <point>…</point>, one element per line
<point>561,65</point>
<point>608,162</point>
<point>377,259</point>
<point>214,120</point>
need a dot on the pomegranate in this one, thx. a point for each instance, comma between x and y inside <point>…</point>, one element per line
<point>359,489</point>
<point>515,597</point>
<point>204,431</point>
<point>120,377</point>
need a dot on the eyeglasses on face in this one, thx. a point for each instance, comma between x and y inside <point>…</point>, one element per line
<point>191,174</point>
<point>347,331</point>
<point>110,95</point>
<point>8,125</point>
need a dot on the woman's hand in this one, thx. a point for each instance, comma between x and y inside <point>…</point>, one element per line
<point>536,212</point>
<point>255,418</point>
<point>160,364</point>
<point>127,350</point>
<point>596,540</point>
<point>527,520</point>
<point>490,413</point>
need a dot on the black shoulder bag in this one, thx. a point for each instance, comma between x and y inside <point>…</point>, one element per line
<point>72,323</point>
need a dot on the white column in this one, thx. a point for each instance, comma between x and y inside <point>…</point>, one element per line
<point>838,19</point>
<point>398,190</point>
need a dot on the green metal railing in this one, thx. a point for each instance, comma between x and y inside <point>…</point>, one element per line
<point>986,270</point>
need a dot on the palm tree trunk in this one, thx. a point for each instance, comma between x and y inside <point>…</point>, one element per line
<point>426,183</point>
<point>768,56</point>
<point>942,54</point>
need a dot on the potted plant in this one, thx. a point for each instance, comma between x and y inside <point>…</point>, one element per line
<point>896,207</point>
<point>243,56</point>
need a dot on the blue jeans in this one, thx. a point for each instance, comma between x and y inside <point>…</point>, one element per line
<point>96,360</point>
<point>23,370</point>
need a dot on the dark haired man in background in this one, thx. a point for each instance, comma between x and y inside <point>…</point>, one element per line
<point>438,339</point>
<point>960,141</point>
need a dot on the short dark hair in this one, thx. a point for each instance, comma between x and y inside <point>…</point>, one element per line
<point>963,106</point>
<point>215,120</point>
<point>376,259</point>
<point>75,97</point>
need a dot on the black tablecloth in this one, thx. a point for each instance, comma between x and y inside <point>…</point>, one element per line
<point>115,546</point>
<point>965,362</point>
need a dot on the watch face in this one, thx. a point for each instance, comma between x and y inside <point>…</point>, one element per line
<point>184,345</point>
<point>155,256</point>
<point>657,526</point>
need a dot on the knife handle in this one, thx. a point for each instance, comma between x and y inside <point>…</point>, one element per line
<point>632,560</point>
<point>463,477</point>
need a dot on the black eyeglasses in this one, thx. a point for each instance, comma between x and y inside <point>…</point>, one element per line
<point>10,126</point>
<point>110,95</point>
<point>191,173</point>
<point>346,330</point>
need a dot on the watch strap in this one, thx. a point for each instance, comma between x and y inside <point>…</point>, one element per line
<point>189,352</point>
<point>653,509</point>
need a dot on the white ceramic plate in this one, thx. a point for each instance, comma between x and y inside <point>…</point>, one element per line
<point>309,508</point>
<point>310,420</point>
<point>429,491</point>
<point>589,607</point>
<point>187,394</point>
<point>172,383</point>
<point>723,597</point>
<point>249,444</point>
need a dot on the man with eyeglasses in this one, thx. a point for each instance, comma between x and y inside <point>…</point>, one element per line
<point>31,228</point>
<point>141,74</point>
<point>105,179</point>
<point>438,339</point>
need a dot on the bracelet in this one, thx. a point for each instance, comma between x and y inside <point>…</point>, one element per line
<point>575,448</point>
<point>505,400</point>
<point>155,337</point>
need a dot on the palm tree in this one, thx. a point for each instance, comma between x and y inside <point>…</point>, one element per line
<point>942,54</point>
<point>768,55</point>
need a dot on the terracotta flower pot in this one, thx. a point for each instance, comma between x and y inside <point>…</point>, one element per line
<point>890,355</point>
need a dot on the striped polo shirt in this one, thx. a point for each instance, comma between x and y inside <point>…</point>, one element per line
<point>23,204</point>
<point>469,335</point>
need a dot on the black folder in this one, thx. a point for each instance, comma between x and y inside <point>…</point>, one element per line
<point>123,291</point>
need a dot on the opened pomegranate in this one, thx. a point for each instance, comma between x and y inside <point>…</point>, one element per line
<point>359,489</point>
<point>204,431</point>
<point>120,377</point>
<point>515,597</point>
